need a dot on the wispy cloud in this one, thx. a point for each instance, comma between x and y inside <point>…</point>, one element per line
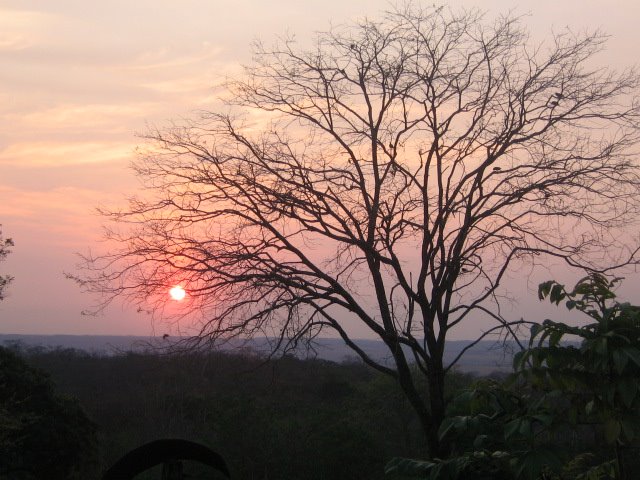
<point>20,29</point>
<point>80,118</point>
<point>47,154</point>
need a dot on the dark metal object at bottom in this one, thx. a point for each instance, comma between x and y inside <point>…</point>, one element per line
<point>169,452</point>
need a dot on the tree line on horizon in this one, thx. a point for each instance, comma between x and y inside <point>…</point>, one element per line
<point>284,418</point>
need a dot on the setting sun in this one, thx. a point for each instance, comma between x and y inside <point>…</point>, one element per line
<point>177,293</point>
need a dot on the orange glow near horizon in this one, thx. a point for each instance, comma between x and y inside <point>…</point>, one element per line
<point>177,293</point>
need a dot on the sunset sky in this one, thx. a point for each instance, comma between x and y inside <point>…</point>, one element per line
<point>79,79</point>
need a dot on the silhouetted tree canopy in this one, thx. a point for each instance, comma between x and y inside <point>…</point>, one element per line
<point>390,176</point>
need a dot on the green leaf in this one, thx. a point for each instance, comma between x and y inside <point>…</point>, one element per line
<point>500,454</point>
<point>544,289</point>
<point>447,428</point>
<point>544,418</point>
<point>511,428</point>
<point>583,288</point>
<point>535,329</point>
<point>557,294</point>
<point>519,359</point>
<point>633,353</point>
<point>409,467</point>
<point>620,360</point>
<point>555,337</point>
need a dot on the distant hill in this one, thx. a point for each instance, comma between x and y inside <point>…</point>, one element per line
<point>483,358</point>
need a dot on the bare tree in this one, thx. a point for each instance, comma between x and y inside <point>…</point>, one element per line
<point>5,249</point>
<point>390,176</point>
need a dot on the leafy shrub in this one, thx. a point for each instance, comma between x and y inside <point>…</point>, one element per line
<point>42,434</point>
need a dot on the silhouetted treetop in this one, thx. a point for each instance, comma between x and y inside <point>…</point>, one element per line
<point>390,177</point>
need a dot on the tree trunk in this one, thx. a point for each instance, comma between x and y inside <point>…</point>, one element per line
<point>437,407</point>
<point>431,411</point>
<point>429,427</point>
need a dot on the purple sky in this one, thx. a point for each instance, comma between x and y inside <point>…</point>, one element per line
<point>78,79</point>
